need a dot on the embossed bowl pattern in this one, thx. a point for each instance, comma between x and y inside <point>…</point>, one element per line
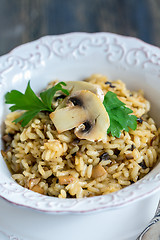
<point>73,57</point>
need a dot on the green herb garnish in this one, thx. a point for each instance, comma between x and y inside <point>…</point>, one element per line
<point>119,114</point>
<point>31,103</point>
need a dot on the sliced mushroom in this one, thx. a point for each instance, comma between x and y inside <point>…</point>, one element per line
<point>85,112</point>
<point>74,86</point>
<point>64,180</point>
<point>33,182</point>
<point>97,123</point>
<point>98,171</point>
<point>67,118</point>
<point>7,138</point>
<point>38,189</point>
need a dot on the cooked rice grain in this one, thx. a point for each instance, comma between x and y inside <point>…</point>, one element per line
<point>38,156</point>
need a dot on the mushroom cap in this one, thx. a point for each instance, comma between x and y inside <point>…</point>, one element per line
<point>85,112</point>
<point>74,86</point>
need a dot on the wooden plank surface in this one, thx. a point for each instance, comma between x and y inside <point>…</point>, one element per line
<point>22,21</point>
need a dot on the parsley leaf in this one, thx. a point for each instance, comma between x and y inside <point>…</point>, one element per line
<point>47,95</point>
<point>26,101</point>
<point>119,115</point>
<point>26,117</point>
<point>30,102</point>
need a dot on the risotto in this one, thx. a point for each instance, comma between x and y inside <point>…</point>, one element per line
<point>63,165</point>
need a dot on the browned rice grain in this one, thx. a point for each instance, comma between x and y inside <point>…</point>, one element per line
<point>38,155</point>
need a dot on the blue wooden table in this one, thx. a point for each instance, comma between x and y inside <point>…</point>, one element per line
<point>26,20</point>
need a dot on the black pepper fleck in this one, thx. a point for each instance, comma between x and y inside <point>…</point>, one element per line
<point>75,141</point>
<point>110,84</point>
<point>132,147</point>
<point>139,120</point>
<point>104,156</point>
<point>143,165</point>
<point>69,195</point>
<point>74,154</point>
<point>117,151</point>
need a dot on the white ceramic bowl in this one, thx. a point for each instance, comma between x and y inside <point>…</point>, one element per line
<point>73,57</point>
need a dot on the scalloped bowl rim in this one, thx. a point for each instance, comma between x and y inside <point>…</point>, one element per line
<point>14,193</point>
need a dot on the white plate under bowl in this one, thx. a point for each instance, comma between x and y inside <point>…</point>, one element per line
<point>76,56</point>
